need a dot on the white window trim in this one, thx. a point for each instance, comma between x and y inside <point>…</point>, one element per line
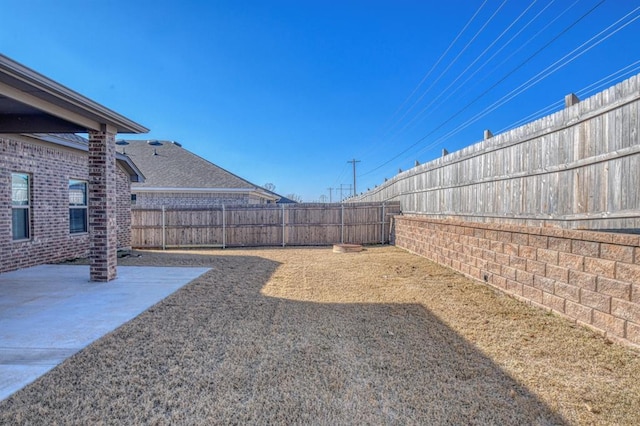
<point>25,207</point>
<point>84,207</point>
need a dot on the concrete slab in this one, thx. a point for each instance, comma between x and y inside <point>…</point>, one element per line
<point>50,312</point>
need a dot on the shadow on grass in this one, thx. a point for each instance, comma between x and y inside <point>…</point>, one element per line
<point>219,351</point>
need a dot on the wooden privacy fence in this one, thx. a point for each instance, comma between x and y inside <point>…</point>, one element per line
<point>262,225</point>
<point>576,168</point>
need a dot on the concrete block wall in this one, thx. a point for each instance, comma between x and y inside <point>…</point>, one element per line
<point>590,277</point>
<point>50,168</point>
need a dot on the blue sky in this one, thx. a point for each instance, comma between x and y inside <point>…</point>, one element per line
<point>287,92</point>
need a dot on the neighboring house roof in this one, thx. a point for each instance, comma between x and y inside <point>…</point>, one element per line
<point>285,200</point>
<point>71,140</point>
<point>31,102</point>
<point>167,166</point>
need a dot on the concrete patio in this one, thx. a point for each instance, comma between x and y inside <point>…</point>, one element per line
<point>50,312</point>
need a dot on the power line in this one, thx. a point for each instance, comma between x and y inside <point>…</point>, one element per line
<point>478,69</point>
<point>526,43</point>
<point>517,50</point>
<point>484,93</point>
<point>464,49</point>
<point>594,87</point>
<point>390,123</point>
<point>538,77</point>
<point>446,89</point>
<point>549,70</point>
<point>433,67</point>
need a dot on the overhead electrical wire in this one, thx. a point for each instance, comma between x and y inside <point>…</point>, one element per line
<point>485,92</point>
<point>446,89</point>
<point>454,60</point>
<point>388,127</point>
<point>537,78</point>
<point>478,69</point>
<point>424,78</point>
<point>528,41</point>
<point>585,91</point>
<point>560,63</point>
<point>534,80</point>
<point>606,81</point>
<point>433,67</point>
<point>340,176</point>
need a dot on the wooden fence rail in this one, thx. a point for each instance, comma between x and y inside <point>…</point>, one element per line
<point>576,168</point>
<point>263,225</point>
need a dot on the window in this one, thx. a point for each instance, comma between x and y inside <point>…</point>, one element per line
<point>134,198</point>
<point>20,206</point>
<point>77,206</point>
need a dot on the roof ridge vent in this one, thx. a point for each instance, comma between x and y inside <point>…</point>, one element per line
<point>177,143</point>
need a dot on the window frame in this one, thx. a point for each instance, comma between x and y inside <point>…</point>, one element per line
<point>83,206</point>
<point>22,207</point>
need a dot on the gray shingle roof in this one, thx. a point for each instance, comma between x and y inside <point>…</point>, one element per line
<point>72,140</point>
<point>168,165</point>
<point>72,137</point>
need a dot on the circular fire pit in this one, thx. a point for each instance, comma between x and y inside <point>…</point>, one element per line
<point>347,248</point>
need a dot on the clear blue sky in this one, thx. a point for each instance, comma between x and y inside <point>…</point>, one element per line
<point>287,92</point>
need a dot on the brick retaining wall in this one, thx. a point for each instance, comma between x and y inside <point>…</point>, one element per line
<point>590,277</point>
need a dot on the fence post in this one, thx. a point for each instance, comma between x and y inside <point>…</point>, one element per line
<point>382,225</point>
<point>341,223</point>
<point>164,231</point>
<point>224,228</point>
<point>283,226</point>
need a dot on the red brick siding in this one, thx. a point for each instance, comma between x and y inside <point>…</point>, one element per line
<point>50,168</point>
<point>590,277</point>
<point>103,223</point>
<point>123,208</point>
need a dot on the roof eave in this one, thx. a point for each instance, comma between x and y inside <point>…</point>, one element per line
<point>130,167</point>
<point>64,97</point>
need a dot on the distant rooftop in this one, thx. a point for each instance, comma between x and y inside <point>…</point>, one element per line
<point>166,164</point>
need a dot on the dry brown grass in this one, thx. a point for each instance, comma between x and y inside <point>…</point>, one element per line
<point>307,336</point>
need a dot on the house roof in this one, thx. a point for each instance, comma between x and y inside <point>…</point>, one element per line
<point>167,165</point>
<point>71,140</point>
<point>285,200</point>
<point>33,103</point>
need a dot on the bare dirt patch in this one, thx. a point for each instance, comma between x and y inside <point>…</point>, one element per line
<point>308,336</point>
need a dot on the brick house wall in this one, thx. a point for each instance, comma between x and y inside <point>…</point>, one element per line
<point>123,208</point>
<point>50,167</point>
<point>590,277</point>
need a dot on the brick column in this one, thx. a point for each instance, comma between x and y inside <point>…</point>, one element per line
<point>103,231</point>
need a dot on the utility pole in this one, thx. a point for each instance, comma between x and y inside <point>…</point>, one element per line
<point>348,185</point>
<point>354,161</point>
<point>330,189</point>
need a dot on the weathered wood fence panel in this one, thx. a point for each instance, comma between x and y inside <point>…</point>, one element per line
<point>576,168</point>
<point>263,225</point>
